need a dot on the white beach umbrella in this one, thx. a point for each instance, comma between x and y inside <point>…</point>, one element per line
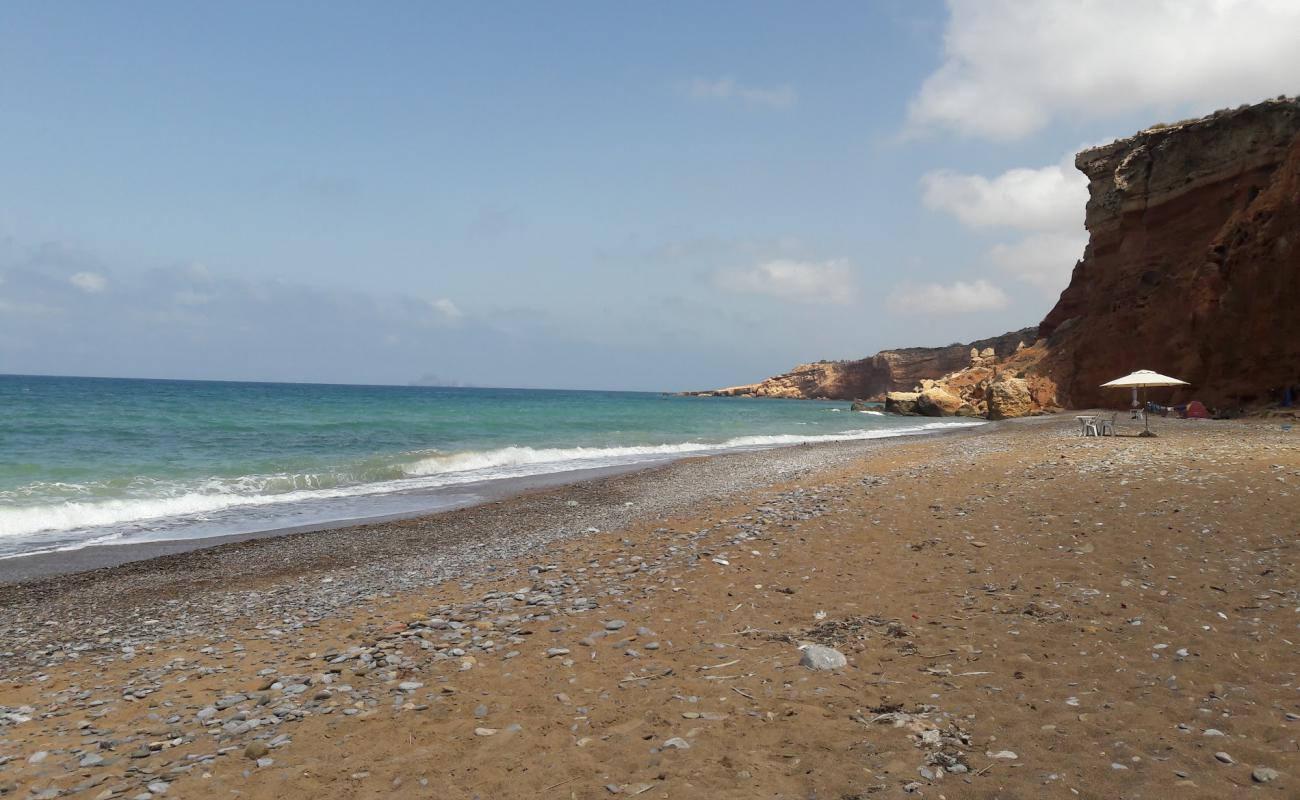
<point>1142,379</point>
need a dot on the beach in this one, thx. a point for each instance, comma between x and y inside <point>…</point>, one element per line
<point>1022,612</point>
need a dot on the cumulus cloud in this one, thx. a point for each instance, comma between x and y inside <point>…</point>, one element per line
<point>959,297</point>
<point>1042,259</point>
<point>1050,198</point>
<point>727,89</point>
<point>88,282</point>
<point>1011,67</point>
<point>828,282</point>
<point>1045,202</point>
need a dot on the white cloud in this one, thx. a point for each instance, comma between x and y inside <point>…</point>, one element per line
<point>959,297</point>
<point>727,89</point>
<point>88,282</point>
<point>1048,202</point>
<point>802,281</point>
<point>1011,67</point>
<point>447,309</point>
<point>1047,198</point>
<point>1043,259</point>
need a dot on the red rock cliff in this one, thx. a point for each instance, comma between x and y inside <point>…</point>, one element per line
<point>1193,262</point>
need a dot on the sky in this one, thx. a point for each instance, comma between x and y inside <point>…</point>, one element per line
<point>660,196</point>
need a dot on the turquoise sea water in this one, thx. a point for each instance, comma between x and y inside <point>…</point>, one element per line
<point>100,461</point>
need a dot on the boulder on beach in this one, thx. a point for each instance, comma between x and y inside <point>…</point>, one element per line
<point>938,402</point>
<point>1009,398</point>
<point>902,403</point>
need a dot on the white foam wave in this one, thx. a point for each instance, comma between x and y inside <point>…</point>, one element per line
<point>424,472</point>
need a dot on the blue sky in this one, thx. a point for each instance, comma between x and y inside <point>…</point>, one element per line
<point>579,195</point>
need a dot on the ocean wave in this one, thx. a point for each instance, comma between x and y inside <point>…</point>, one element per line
<point>80,507</point>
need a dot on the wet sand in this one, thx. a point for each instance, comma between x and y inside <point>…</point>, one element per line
<point>1024,613</point>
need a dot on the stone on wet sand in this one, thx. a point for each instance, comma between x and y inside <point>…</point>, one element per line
<point>1264,774</point>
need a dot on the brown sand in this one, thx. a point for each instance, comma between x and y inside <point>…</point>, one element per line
<point>1056,616</point>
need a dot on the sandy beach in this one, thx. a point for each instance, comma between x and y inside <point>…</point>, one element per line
<point>1022,613</point>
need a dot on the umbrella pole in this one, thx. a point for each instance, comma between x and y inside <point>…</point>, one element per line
<point>1146,414</point>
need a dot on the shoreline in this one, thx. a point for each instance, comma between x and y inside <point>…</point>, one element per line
<point>359,563</point>
<point>29,567</point>
<point>35,566</point>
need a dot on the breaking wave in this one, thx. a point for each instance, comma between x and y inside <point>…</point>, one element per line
<point>150,504</point>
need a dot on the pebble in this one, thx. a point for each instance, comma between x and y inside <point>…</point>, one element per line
<point>817,657</point>
<point>1006,755</point>
<point>1264,774</point>
<point>677,743</point>
<point>552,652</point>
<point>230,700</point>
<point>484,731</point>
<point>1224,757</point>
<point>256,750</point>
<point>615,624</point>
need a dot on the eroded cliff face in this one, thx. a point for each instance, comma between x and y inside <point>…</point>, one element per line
<point>1192,267</point>
<point>871,378</point>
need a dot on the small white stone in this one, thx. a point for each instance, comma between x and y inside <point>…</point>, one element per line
<point>818,657</point>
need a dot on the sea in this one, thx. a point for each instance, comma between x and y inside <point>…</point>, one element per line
<point>104,461</point>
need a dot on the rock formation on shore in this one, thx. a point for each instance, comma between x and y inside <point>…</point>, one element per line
<point>1192,269</point>
<point>873,377</point>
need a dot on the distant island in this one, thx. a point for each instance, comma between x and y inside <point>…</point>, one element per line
<point>434,380</point>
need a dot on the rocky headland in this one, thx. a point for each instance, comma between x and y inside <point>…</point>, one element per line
<point>1192,268</point>
<point>873,377</point>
